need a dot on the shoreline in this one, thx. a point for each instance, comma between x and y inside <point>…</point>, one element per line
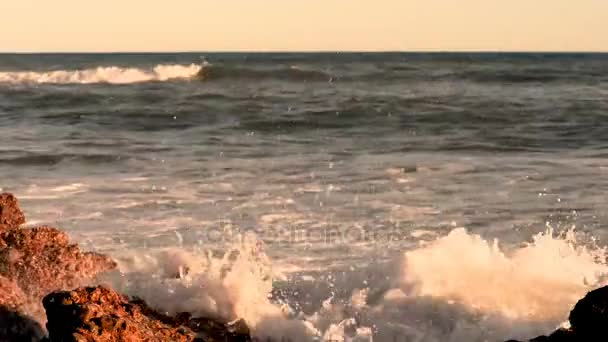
<point>49,292</point>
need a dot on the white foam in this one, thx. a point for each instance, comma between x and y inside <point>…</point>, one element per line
<point>110,74</point>
<point>458,287</point>
<point>539,281</point>
<point>69,188</point>
<point>236,285</point>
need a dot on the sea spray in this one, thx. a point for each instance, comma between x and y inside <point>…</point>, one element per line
<point>538,281</point>
<point>458,287</point>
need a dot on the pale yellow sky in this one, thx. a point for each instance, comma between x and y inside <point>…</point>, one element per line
<point>302,25</point>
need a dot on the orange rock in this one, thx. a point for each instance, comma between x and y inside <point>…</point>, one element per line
<point>15,325</point>
<point>11,215</point>
<point>41,260</point>
<point>100,314</point>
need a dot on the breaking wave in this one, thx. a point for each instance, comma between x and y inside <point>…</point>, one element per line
<point>458,287</point>
<point>214,72</point>
<point>110,74</point>
<point>163,72</point>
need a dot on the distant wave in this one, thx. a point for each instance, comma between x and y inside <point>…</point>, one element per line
<point>211,72</point>
<point>162,72</point>
<point>110,74</point>
<point>251,72</point>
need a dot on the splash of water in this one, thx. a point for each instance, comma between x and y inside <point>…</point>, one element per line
<point>536,282</point>
<point>458,287</point>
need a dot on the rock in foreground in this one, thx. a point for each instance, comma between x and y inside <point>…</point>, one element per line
<point>100,314</point>
<point>38,261</point>
<point>41,260</point>
<point>588,320</point>
<point>11,215</point>
<point>15,325</point>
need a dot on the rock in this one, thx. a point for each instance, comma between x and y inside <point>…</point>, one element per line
<point>100,314</point>
<point>11,215</point>
<point>589,318</point>
<point>15,325</point>
<point>11,296</point>
<point>41,260</point>
<point>38,261</point>
<point>561,335</point>
<point>210,330</point>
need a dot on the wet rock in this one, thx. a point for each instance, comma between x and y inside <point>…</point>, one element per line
<point>561,335</point>
<point>208,329</point>
<point>589,318</point>
<point>41,260</point>
<point>100,314</point>
<point>11,216</point>
<point>15,325</point>
<point>11,296</point>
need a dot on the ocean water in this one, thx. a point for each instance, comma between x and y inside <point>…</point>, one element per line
<point>324,197</point>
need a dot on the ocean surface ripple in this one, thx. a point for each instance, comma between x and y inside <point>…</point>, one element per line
<point>350,197</point>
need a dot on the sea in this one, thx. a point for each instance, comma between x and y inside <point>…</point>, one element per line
<point>324,196</point>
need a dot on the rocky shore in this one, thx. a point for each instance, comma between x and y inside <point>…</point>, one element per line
<point>48,293</point>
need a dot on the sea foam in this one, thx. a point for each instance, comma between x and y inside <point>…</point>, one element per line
<point>458,287</point>
<point>108,74</point>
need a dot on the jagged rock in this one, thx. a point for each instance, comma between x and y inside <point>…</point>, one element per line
<point>15,325</point>
<point>35,262</point>
<point>11,296</point>
<point>41,260</point>
<point>11,215</point>
<point>561,335</point>
<point>210,330</point>
<point>100,314</point>
<point>589,318</point>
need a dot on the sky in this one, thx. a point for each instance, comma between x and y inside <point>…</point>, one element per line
<point>303,25</point>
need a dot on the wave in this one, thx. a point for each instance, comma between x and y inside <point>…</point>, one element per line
<point>214,72</point>
<point>110,74</point>
<point>458,287</point>
<point>162,72</point>
<point>211,72</point>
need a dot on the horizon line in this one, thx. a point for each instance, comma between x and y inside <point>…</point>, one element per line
<point>430,51</point>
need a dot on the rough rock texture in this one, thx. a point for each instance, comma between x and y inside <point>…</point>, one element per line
<point>100,314</point>
<point>42,260</point>
<point>15,325</point>
<point>208,329</point>
<point>10,214</point>
<point>11,296</point>
<point>589,318</point>
<point>35,262</point>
